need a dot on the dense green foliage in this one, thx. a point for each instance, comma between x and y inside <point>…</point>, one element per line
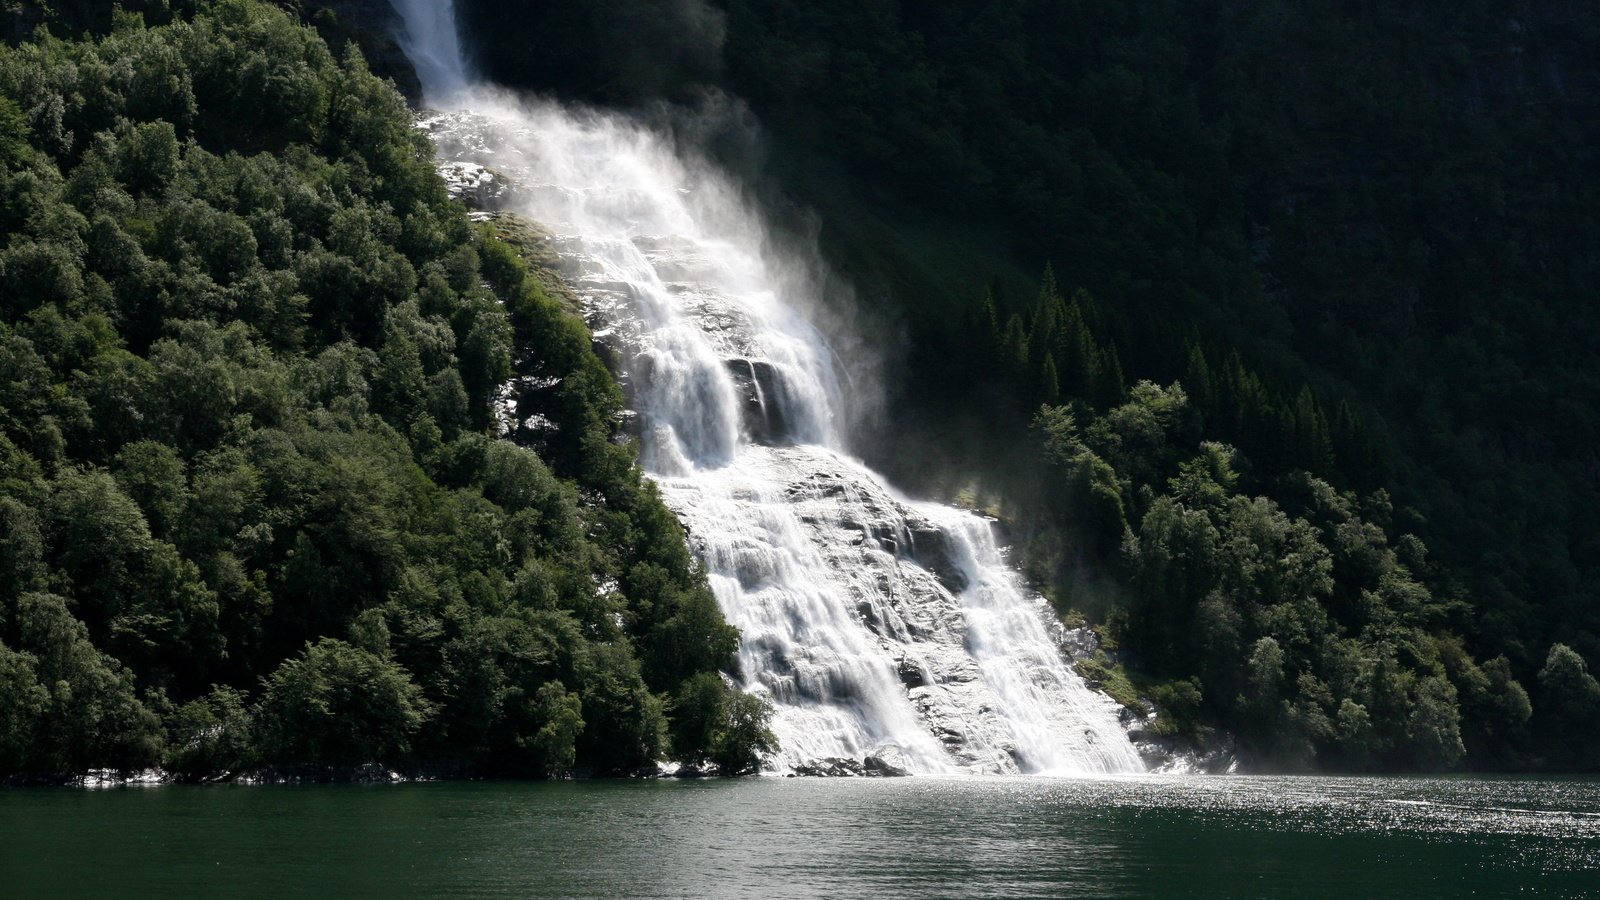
<point>1302,617</point>
<point>250,356</point>
<point>1290,612</point>
<point>1361,236</point>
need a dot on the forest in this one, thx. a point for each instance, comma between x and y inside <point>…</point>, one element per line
<point>1316,415</point>
<point>255,517</point>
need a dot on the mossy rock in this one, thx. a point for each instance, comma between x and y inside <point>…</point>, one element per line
<point>536,246</point>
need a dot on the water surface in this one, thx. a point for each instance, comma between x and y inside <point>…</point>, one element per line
<point>776,837</point>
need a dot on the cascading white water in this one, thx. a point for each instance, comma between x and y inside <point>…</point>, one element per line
<point>877,626</point>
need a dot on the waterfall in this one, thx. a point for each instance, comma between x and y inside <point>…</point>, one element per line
<point>430,41</point>
<point>876,625</point>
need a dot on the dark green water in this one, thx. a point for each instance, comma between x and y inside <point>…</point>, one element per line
<point>769,837</point>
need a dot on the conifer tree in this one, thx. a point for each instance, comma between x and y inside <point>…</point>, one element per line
<point>1049,384</point>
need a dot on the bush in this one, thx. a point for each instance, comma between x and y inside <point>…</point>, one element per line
<point>340,705</point>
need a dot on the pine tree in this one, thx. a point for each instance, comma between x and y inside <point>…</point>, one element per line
<point>985,334</point>
<point>1075,353</point>
<point>988,324</point>
<point>1353,449</point>
<point>1110,387</point>
<point>1197,379</point>
<point>1047,315</point>
<point>1014,351</point>
<point>1312,449</point>
<point>1049,384</point>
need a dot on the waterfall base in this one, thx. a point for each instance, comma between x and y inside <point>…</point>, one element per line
<point>886,629</point>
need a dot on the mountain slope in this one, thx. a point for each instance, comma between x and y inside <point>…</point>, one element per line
<point>255,514</point>
<point>1372,226</point>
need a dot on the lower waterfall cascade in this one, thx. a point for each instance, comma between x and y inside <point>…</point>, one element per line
<point>877,626</point>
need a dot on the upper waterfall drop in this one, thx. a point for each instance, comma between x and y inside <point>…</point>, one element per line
<point>877,626</point>
<point>432,43</point>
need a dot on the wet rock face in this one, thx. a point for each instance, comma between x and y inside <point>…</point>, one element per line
<point>760,400</point>
<point>911,674</point>
<point>479,188</point>
<point>931,548</point>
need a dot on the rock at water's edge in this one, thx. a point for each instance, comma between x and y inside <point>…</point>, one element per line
<point>843,767</point>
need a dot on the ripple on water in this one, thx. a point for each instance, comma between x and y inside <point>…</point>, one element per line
<point>775,837</point>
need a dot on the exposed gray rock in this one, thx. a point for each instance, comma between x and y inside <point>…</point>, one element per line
<point>1216,752</point>
<point>877,766</point>
<point>829,767</point>
<point>930,547</point>
<point>1079,643</point>
<point>840,767</point>
<point>478,187</point>
<point>759,389</point>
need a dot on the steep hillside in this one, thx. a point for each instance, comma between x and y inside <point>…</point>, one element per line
<point>1362,237</point>
<point>254,511</point>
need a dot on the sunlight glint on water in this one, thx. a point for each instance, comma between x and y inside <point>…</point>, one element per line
<point>878,627</point>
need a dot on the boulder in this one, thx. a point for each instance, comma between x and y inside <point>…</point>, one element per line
<point>829,767</point>
<point>876,766</point>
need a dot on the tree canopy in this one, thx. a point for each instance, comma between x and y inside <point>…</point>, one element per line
<point>256,508</point>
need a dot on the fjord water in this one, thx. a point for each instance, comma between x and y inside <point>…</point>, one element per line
<point>1144,836</point>
<point>877,626</point>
